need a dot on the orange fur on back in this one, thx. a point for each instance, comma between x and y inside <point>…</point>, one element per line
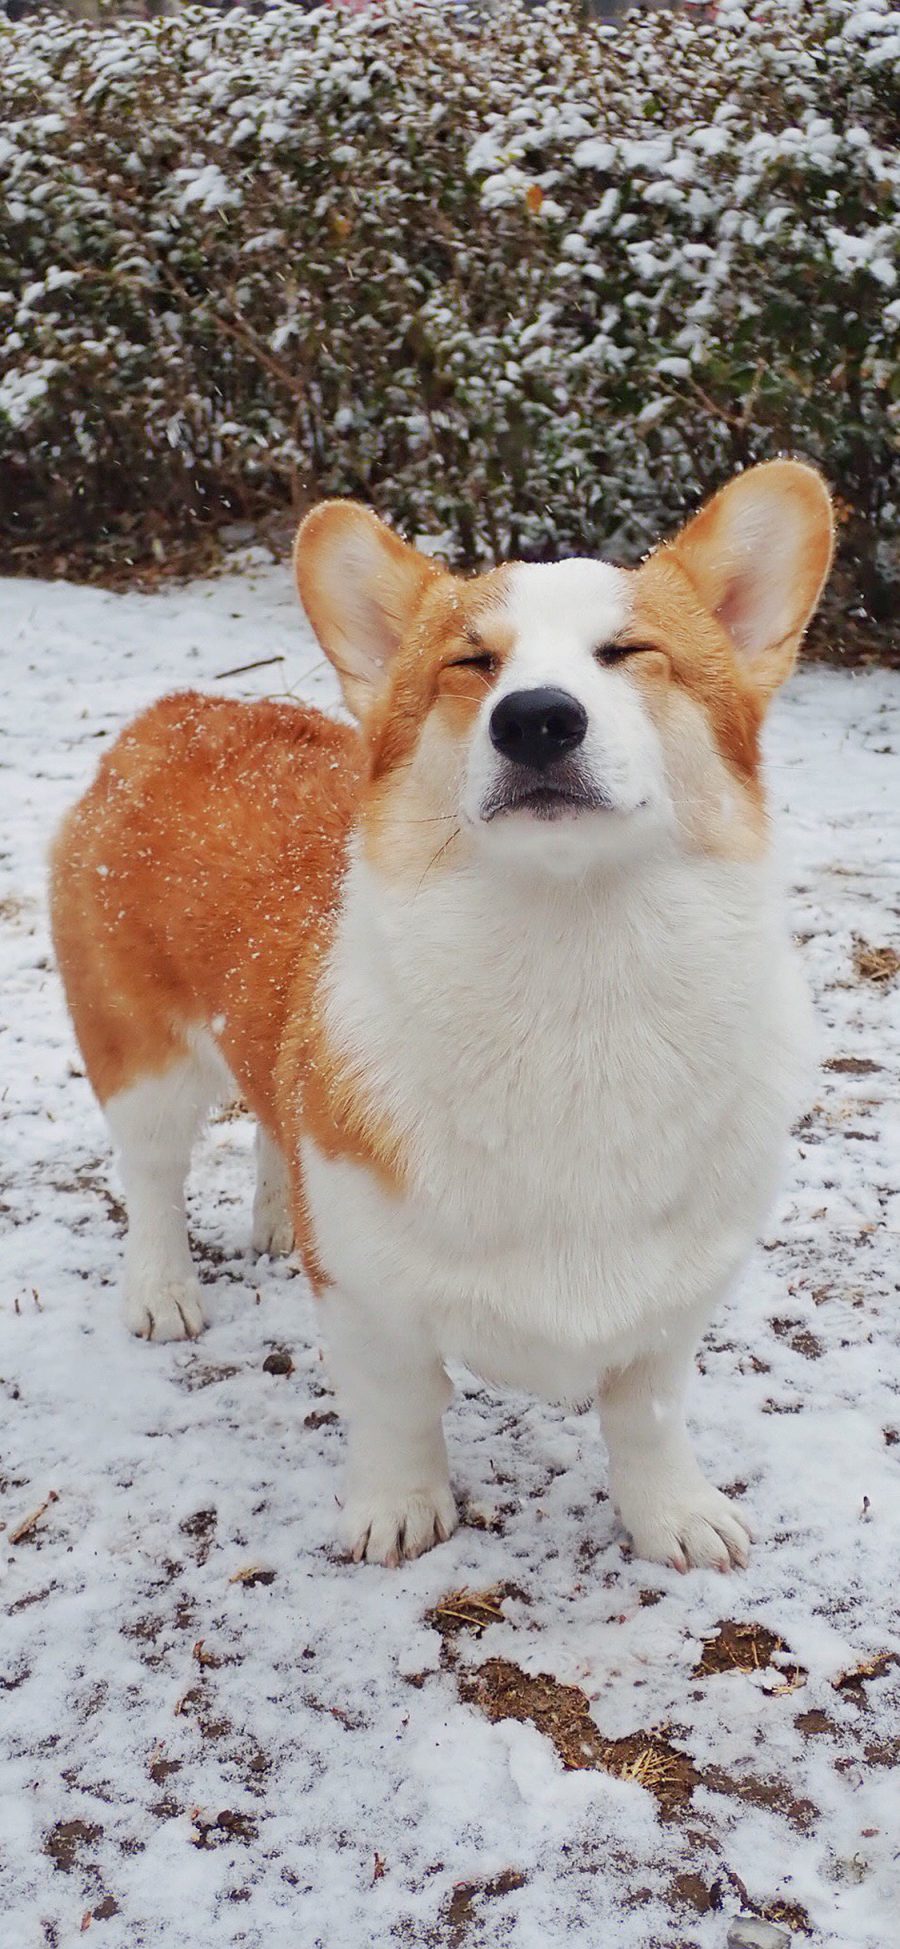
<point>195,884</point>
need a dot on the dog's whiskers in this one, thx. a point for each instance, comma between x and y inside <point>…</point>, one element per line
<point>435,857</point>
<point>438,819</point>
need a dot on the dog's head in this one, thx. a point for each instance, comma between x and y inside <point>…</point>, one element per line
<point>568,717</point>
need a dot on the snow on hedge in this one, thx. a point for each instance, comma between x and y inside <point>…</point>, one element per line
<point>523,282</point>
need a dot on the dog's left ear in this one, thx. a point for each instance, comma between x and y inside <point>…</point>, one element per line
<point>758,555</point>
<point>360,586</point>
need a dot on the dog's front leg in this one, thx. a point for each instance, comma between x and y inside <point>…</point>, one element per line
<point>671,1512</point>
<point>392,1390</point>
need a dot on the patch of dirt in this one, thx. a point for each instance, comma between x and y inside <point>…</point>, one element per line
<point>321,1418</point>
<point>31,1597</point>
<point>227,1826</point>
<point>693,1892</point>
<point>195,1704</point>
<point>152,1630</point>
<point>461,1912</point>
<point>492,1519</point>
<point>880,1752</point>
<point>160,1768</point>
<point>773,1794</point>
<point>230,1112</point>
<point>210,1661</point>
<point>10,1682</point>
<point>252,1576</point>
<point>792,1914</point>
<point>66,1842</point>
<point>89,1179</point>
<point>209,1254</point>
<point>811,1724</point>
<point>853,1066</point>
<point>8,1482</point>
<point>145,1631</point>
<point>202,1373</point>
<point>735,1647</point>
<point>799,1338</point>
<point>855,1681</point>
<point>200,1528</point>
<point>104,1910</point>
<point>878,964</point>
<point>501,1690</point>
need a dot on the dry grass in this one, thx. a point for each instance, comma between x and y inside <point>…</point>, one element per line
<point>878,964</point>
<point>469,1610</point>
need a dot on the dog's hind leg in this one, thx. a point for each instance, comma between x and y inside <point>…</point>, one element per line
<point>155,1121</point>
<point>273,1229</point>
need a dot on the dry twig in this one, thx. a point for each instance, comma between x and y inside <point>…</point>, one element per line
<point>30,1523</point>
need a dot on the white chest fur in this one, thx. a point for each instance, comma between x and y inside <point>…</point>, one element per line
<point>592,1083</point>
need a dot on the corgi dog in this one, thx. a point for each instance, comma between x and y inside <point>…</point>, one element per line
<point>502,970</point>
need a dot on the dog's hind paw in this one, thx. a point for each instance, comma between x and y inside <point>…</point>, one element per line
<point>272,1231</point>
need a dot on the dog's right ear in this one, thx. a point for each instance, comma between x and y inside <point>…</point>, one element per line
<point>360,586</point>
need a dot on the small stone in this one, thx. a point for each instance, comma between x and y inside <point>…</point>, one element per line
<point>748,1932</point>
<point>279,1362</point>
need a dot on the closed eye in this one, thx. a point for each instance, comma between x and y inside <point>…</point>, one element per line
<point>609,653</point>
<point>482,660</point>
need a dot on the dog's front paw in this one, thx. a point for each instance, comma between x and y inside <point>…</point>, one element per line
<point>690,1526</point>
<point>395,1525</point>
<point>167,1309</point>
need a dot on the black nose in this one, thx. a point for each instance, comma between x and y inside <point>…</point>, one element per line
<point>537,727</point>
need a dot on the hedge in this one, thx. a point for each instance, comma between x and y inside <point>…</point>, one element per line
<point>526,283</point>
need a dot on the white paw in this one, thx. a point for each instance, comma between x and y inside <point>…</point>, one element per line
<point>390,1527</point>
<point>170,1309</point>
<point>690,1527</point>
<point>272,1230</point>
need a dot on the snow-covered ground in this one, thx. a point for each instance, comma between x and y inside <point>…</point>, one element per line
<point>196,1757</point>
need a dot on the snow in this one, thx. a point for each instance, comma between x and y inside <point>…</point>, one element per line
<point>208,187</point>
<point>20,390</point>
<point>147,1691</point>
